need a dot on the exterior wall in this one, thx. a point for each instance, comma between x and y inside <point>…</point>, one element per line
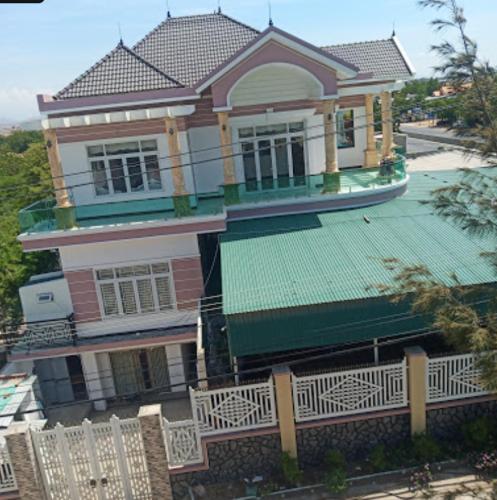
<point>74,160</point>
<point>275,83</point>
<point>233,460</point>
<point>208,169</point>
<point>445,421</point>
<point>354,438</point>
<point>60,307</point>
<point>80,261</point>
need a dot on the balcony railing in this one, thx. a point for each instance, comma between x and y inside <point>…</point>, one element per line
<point>43,335</point>
<point>45,216</point>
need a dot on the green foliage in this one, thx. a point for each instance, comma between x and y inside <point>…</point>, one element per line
<point>425,448</point>
<point>378,458</point>
<point>336,481</point>
<point>479,434</point>
<point>335,460</point>
<point>24,179</point>
<point>290,469</point>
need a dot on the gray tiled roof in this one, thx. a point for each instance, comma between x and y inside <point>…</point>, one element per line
<point>181,51</point>
<point>189,48</point>
<point>380,57</point>
<point>119,72</point>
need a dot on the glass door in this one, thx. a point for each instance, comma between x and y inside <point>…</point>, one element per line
<point>276,160</point>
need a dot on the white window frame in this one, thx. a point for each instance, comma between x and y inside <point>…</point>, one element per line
<point>272,138</point>
<point>106,159</point>
<point>115,281</point>
<point>342,111</point>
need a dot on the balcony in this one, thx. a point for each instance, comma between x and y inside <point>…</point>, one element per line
<point>345,189</point>
<point>43,335</point>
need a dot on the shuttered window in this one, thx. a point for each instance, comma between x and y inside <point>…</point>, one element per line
<point>140,289</point>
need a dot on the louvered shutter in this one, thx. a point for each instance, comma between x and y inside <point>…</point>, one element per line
<point>145,295</point>
<point>109,299</point>
<point>128,299</point>
<point>164,294</point>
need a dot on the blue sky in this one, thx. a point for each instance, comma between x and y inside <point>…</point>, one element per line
<point>44,46</point>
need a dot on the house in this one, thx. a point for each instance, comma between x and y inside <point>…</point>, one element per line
<point>154,151</point>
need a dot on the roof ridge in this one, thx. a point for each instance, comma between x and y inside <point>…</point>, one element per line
<point>238,22</point>
<point>107,56</point>
<point>363,42</point>
<point>150,65</point>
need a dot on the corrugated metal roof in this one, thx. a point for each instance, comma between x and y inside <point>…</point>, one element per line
<point>311,259</point>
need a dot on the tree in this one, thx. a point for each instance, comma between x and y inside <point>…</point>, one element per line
<point>24,179</point>
<point>467,316</point>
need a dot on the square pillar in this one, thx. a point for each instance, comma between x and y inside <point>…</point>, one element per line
<point>93,380</point>
<point>176,367</point>
<point>417,362</point>
<point>370,154</point>
<point>151,426</point>
<point>21,455</point>
<point>330,136</point>
<point>282,377</point>
<point>387,125</point>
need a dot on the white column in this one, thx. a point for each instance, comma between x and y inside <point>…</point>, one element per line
<point>176,367</point>
<point>94,383</point>
<point>106,375</point>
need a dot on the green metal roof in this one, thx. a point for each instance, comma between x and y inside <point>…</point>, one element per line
<point>312,259</point>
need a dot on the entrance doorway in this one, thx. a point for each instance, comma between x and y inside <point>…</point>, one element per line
<point>76,376</point>
<point>273,155</point>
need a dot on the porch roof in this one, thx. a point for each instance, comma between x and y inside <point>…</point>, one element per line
<point>314,259</point>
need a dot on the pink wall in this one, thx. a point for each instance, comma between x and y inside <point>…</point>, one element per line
<point>272,52</point>
<point>188,281</point>
<point>83,295</point>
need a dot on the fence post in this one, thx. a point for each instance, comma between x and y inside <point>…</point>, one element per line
<point>284,403</point>
<point>417,366</point>
<point>20,448</point>
<point>150,418</point>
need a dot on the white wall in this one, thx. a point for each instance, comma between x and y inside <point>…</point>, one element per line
<point>60,307</point>
<point>274,83</point>
<point>347,157</point>
<point>128,251</point>
<point>74,160</point>
<point>209,175</point>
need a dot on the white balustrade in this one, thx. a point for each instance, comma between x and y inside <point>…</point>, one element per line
<point>183,443</point>
<point>7,478</point>
<point>453,377</point>
<point>349,392</point>
<point>231,409</point>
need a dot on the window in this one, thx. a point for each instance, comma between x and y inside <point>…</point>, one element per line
<point>345,129</point>
<point>139,289</point>
<point>125,167</point>
<point>273,155</point>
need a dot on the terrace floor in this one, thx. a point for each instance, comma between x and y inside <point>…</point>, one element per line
<point>174,407</point>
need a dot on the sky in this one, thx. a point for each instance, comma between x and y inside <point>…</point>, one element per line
<point>43,47</point>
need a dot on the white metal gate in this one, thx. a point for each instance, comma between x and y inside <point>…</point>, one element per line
<point>103,461</point>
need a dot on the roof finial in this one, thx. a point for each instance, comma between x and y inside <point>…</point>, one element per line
<point>121,43</point>
<point>219,11</point>
<point>168,10</point>
<point>269,11</point>
<point>393,30</point>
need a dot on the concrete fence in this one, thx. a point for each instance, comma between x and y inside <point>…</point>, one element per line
<point>149,457</point>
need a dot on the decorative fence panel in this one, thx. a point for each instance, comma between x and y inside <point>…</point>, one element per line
<point>453,377</point>
<point>93,461</point>
<point>349,392</point>
<point>232,409</point>
<point>183,443</point>
<point>7,478</point>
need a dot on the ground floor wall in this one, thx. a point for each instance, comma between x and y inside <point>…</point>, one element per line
<point>444,422</point>
<point>233,460</point>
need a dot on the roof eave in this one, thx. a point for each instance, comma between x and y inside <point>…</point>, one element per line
<point>404,55</point>
<point>47,104</point>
